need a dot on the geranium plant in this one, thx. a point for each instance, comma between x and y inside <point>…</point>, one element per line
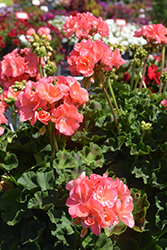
<point>83,164</point>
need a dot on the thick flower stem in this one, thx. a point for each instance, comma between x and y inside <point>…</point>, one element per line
<point>40,68</point>
<point>162,67</point>
<point>165,87</point>
<point>144,72</point>
<point>132,77</point>
<point>14,117</point>
<point>113,96</point>
<point>53,142</point>
<point>138,76</point>
<point>112,109</point>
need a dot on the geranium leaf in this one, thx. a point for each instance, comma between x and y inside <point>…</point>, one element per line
<point>117,230</point>
<point>32,231</point>
<point>43,200</point>
<point>46,180</point>
<point>12,207</point>
<point>93,155</point>
<point>28,180</point>
<point>11,162</point>
<point>64,160</point>
<point>141,205</point>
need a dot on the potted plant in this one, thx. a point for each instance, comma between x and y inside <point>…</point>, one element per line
<point>86,167</point>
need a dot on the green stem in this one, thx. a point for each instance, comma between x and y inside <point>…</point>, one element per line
<point>165,87</point>
<point>143,82</point>
<point>14,117</point>
<point>40,68</point>
<point>162,67</point>
<point>144,72</point>
<point>112,109</point>
<point>154,240</point>
<point>53,142</point>
<point>133,73</point>
<point>12,179</point>
<point>138,76</point>
<point>113,96</point>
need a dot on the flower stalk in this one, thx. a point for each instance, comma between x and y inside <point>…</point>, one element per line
<point>112,109</point>
<point>53,141</point>
<point>14,117</point>
<point>162,67</point>
<point>138,76</point>
<point>143,74</point>
<point>40,68</point>
<point>112,94</point>
<point>132,77</point>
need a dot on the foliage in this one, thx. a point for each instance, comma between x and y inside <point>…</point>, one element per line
<point>132,147</point>
<point>159,8</point>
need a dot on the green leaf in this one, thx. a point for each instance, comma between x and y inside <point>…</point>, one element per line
<point>32,231</point>
<point>11,162</point>
<point>43,200</point>
<point>104,243</point>
<point>141,205</point>
<point>93,156</point>
<point>28,180</point>
<point>64,160</point>
<point>141,170</point>
<point>12,206</point>
<point>46,180</point>
<point>117,230</point>
<point>63,228</point>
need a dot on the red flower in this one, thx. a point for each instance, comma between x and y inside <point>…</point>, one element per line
<point>16,42</point>
<point>2,45</point>
<point>153,74</point>
<point>2,27</point>
<point>126,77</point>
<point>12,33</point>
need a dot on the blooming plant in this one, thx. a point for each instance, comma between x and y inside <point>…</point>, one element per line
<point>99,202</point>
<point>83,164</point>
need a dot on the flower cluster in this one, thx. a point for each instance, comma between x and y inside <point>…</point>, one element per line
<point>54,100</point>
<point>85,25</point>
<point>99,201</point>
<point>88,54</point>
<point>153,33</point>
<point>38,97</point>
<point>18,66</point>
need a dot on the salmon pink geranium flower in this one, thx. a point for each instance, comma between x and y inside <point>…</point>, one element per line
<point>153,33</point>
<point>99,201</point>
<point>84,25</point>
<point>88,54</point>
<point>66,118</point>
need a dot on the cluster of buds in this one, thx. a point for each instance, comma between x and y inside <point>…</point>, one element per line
<point>137,62</point>
<point>120,47</point>
<point>133,47</point>
<point>146,127</point>
<point>19,85</point>
<point>40,41</point>
<point>50,68</point>
<point>141,53</point>
<point>163,76</point>
<point>112,74</point>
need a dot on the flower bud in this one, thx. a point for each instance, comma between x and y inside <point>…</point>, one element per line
<point>40,51</point>
<point>10,100</point>
<point>146,126</point>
